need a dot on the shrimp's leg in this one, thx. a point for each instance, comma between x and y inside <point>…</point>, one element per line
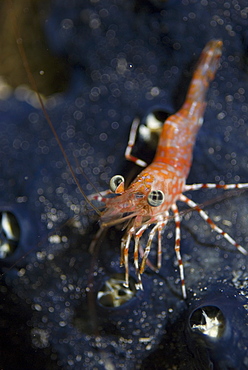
<point>159,225</point>
<point>124,254</point>
<point>148,262</point>
<point>148,248</point>
<point>138,235</point>
<point>136,262</point>
<point>177,248</point>
<point>215,186</point>
<point>216,228</point>
<point>159,252</point>
<point>131,141</point>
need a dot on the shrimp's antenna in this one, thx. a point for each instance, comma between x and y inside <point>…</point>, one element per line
<point>33,84</point>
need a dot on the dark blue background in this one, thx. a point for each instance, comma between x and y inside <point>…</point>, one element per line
<point>118,51</point>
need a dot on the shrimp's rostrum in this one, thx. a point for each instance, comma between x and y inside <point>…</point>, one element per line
<point>155,191</point>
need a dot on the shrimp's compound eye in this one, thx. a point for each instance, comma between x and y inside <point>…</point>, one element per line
<point>155,198</point>
<point>9,234</point>
<point>116,184</point>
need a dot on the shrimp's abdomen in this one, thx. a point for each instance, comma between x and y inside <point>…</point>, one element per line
<point>205,71</point>
<point>179,132</point>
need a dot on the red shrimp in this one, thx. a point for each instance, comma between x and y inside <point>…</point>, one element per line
<point>155,191</point>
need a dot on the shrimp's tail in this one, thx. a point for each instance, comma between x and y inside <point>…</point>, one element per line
<point>205,71</point>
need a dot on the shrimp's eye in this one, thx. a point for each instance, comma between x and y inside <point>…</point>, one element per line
<point>155,198</point>
<point>116,184</point>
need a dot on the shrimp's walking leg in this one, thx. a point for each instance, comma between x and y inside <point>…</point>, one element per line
<point>124,254</point>
<point>124,257</point>
<point>136,263</point>
<point>131,141</point>
<point>177,248</point>
<point>216,228</point>
<point>148,262</point>
<point>159,252</point>
<point>215,186</point>
<point>138,235</point>
<point>147,248</point>
<point>159,226</point>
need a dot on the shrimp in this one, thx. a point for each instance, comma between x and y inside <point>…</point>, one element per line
<point>156,190</point>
